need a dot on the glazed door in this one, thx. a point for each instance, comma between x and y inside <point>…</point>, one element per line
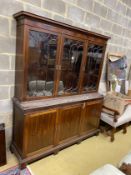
<point>69,122</point>
<point>91,116</point>
<point>93,66</point>
<point>42,57</point>
<point>70,65</point>
<point>39,131</point>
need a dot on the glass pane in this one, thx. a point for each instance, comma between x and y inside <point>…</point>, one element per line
<point>94,61</point>
<point>70,66</point>
<point>41,70</point>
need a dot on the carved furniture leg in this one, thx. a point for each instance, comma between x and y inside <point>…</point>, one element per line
<point>112,134</point>
<point>124,128</point>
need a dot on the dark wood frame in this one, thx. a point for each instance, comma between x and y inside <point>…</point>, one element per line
<point>26,22</point>
<point>23,110</point>
<point>56,61</point>
<point>76,116</point>
<point>2,145</point>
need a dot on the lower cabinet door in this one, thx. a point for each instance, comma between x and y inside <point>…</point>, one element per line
<point>91,116</point>
<point>39,131</point>
<point>69,122</point>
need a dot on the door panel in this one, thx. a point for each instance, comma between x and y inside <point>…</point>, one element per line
<point>71,60</point>
<point>91,116</point>
<point>42,52</point>
<point>92,67</point>
<point>40,130</point>
<point>69,122</point>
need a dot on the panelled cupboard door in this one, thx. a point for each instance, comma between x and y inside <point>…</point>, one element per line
<point>69,122</point>
<point>91,115</point>
<point>39,131</point>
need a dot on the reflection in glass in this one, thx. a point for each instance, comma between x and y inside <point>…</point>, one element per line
<point>70,66</point>
<point>94,60</point>
<point>42,56</point>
